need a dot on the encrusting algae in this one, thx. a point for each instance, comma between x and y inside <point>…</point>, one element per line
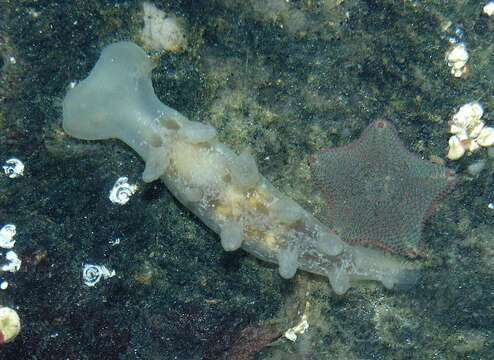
<point>223,189</point>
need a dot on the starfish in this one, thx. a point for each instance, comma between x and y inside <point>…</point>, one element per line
<point>378,193</point>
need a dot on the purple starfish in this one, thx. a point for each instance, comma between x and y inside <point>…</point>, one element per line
<point>378,193</point>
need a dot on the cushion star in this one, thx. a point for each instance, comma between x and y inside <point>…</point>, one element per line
<point>378,193</point>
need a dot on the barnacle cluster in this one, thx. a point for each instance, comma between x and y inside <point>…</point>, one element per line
<point>469,131</point>
<point>457,57</point>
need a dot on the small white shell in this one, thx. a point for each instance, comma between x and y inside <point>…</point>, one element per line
<point>122,191</point>
<point>10,324</point>
<point>13,262</point>
<point>476,130</point>
<point>457,58</point>
<point>456,129</point>
<point>92,274</point>
<point>13,168</point>
<point>457,54</point>
<point>456,149</point>
<point>300,328</point>
<point>467,117</point>
<point>472,145</point>
<point>486,137</point>
<point>7,234</point>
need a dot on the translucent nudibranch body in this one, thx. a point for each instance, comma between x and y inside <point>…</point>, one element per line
<point>224,189</point>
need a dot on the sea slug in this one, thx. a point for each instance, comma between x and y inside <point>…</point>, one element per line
<point>224,189</point>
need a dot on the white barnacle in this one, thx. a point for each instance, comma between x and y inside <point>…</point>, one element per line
<point>455,149</point>
<point>13,168</point>
<point>92,274</point>
<point>13,262</point>
<point>488,8</point>
<point>114,242</point>
<point>122,191</point>
<point>7,233</point>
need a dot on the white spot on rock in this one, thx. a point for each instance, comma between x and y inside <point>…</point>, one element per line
<point>7,233</point>
<point>457,57</point>
<point>92,274</point>
<point>489,8</point>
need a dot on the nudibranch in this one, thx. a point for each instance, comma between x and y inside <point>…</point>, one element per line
<point>222,188</point>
